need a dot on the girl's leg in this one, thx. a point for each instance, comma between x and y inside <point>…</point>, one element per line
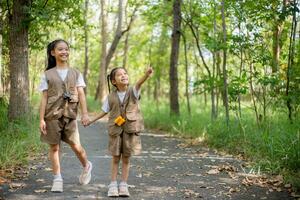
<point>85,176</point>
<point>125,168</point>
<point>114,167</point>
<point>113,186</point>
<point>80,153</point>
<point>54,158</point>
<point>123,187</point>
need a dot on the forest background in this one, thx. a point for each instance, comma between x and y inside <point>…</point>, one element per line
<point>227,73</point>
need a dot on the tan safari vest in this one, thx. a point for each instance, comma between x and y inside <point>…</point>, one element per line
<point>129,110</point>
<point>57,106</point>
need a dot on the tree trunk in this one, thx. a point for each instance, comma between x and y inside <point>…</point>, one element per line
<point>186,75</point>
<point>252,93</point>
<point>125,54</point>
<point>117,37</point>
<point>277,30</point>
<point>277,33</point>
<point>240,74</point>
<point>212,92</point>
<point>218,76</point>
<point>174,104</point>
<point>86,46</point>
<point>224,63</point>
<point>102,90</point>
<point>291,63</point>
<point>159,63</point>
<point>1,47</point>
<point>18,64</point>
<point>102,84</point>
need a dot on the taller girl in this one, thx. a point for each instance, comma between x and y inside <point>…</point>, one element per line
<point>62,90</point>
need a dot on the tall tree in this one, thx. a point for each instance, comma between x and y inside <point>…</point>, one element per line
<point>174,104</point>
<point>1,46</point>
<point>186,74</point>
<point>86,46</point>
<point>291,61</point>
<point>118,34</point>
<point>18,55</point>
<point>226,104</point>
<point>277,34</point>
<point>126,45</point>
<point>102,91</point>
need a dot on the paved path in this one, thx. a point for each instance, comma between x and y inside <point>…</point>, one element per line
<point>165,170</point>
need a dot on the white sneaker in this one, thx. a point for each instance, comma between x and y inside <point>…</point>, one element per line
<point>57,185</point>
<point>86,175</point>
<point>113,190</point>
<point>123,190</point>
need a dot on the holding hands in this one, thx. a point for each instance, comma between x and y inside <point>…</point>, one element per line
<point>85,120</point>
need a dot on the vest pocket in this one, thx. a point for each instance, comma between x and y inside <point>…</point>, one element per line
<point>114,130</point>
<point>134,122</point>
<point>131,116</point>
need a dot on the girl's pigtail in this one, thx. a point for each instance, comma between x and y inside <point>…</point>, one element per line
<point>108,80</point>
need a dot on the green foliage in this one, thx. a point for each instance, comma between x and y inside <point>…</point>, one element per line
<point>273,147</point>
<point>18,140</point>
<point>93,106</point>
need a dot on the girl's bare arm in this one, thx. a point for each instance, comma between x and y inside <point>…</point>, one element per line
<point>42,112</point>
<point>140,82</point>
<point>99,116</point>
<point>84,111</point>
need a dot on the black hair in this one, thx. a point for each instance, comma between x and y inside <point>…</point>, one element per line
<point>111,76</point>
<point>50,47</point>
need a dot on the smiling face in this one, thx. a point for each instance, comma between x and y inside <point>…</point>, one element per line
<point>61,52</point>
<point>120,78</point>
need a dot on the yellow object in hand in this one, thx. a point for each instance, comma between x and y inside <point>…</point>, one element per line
<point>119,120</point>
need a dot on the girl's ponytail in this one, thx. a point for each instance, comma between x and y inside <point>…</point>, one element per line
<point>51,59</point>
<point>108,80</point>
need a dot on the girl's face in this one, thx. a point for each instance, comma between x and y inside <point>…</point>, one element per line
<point>61,52</point>
<point>121,78</point>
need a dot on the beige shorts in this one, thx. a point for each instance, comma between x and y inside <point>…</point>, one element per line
<point>63,129</point>
<point>127,144</point>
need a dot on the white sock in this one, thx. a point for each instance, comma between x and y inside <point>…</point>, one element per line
<point>114,183</point>
<point>57,176</point>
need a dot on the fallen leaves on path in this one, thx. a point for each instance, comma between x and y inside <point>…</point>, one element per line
<point>227,168</point>
<point>274,183</point>
<point>188,193</point>
<point>3,180</point>
<point>40,191</point>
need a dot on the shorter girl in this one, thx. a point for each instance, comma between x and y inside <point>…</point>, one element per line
<point>124,126</point>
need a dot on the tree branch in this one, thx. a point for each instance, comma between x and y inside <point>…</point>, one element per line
<point>45,3</point>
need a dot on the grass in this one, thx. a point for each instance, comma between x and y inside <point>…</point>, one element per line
<point>18,140</point>
<point>273,147</point>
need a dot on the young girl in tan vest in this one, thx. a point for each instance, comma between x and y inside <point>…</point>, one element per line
<point>124,126</point>
<point>62,90</point>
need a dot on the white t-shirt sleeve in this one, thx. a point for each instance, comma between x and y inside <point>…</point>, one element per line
<point>43,84</point>
<point>105,106</point>
<point>80,82</point>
